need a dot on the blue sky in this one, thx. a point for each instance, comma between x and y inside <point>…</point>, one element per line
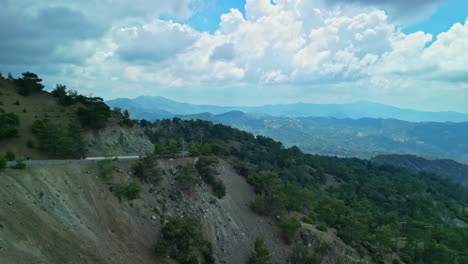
<point>405,53</point>
<point>207,15</point>
<point>447,14</point>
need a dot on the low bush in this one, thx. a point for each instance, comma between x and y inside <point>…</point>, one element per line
<point>205,167</point>
<point>322,227</point>
<point>130,191</point>
<point>182,239</point>
<point>20,165</point>
<point>289,227</point>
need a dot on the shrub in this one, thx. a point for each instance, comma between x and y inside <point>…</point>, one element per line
<point>300,254</point>
<point>322,227</point>
<point>20,165</point>
<point>182,240</point>
<point>261,254</point>
<point>8,124</point>
<point>130,191</point>
<point>148,170</point>
<point>289,227</point>
<point>187,178</point>
<point>308,220</point>
<point>205,168</point>
<point>2,162</point>
<point>10,156</point>
<point>30,144</point>
<point>106,170</point>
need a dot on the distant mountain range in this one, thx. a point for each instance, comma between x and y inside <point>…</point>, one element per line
<point>363,137</point>
<point>449,169</point>
<point>156,107</point>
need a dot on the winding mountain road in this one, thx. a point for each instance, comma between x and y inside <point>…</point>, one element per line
<point>78,161</point>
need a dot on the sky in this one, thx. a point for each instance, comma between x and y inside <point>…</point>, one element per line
<point>410,54</point>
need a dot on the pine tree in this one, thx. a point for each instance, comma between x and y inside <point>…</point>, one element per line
<point>261,254</point>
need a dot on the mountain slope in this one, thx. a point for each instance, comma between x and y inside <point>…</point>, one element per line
<point>363,138</point>
<point>156,107</point>
<point>449,169</point>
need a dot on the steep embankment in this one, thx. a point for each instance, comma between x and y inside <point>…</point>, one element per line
<point>66,214</point>
<point>117,141</point>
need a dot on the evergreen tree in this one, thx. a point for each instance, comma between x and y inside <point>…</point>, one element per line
<point>30,83</point>
<point>261,254</point>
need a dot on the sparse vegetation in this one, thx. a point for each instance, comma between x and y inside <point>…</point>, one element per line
<point>301,254</point>
<point>182,239</point>
<point>290,227</point>
<point>20,165</point>
<point>3,162</point>
<point>322,227</point>
<point>261,254</point>
<point>106,170</point>
<point>10,156</point>
<point>187,178</point>
<point>205,167</point>
<point>148,170</point>
<point>130,191</point>
<point>8,124</point>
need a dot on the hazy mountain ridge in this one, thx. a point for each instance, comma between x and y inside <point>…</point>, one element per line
<point>362,138</point>
<point>154,107</point>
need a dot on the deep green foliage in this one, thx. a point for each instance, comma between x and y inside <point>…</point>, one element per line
<point>205,167</point>
<point>366,207</point>
<point>65,97</point>
<point>8,124</point>
<point>126,121</point>
<point>301,255</point>
<point>20,165</point>
<point>182,239</point>
<point>95,115</point>
<point>168,148</point>
<point>28,84</point>
<point>3,162</point>
<point>148,170</point>
<point>290,227</point>
<point>106,170</point>
<point>130,191</point>
<point>187,178</point>
<point>10,156</point>
<point>261,254</point>
<point>58,141</point>
<point>322,227</point>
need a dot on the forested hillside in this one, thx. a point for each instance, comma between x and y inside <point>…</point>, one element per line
<point>38,124</point>
<point>363,138</point>
<point>387,214</point>
<point>378,209</point>
<point>449,169</point>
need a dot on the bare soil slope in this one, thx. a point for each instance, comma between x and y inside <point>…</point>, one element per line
<point>66,214</point>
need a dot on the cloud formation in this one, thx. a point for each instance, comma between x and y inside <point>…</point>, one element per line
<point>290,50</point>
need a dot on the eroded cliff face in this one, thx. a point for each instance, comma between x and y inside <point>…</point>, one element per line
<point>66,214</point>
<point>118,141</point>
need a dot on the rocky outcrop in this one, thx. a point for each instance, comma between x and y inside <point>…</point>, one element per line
<point>328,246</point>
<point>118,141</point>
